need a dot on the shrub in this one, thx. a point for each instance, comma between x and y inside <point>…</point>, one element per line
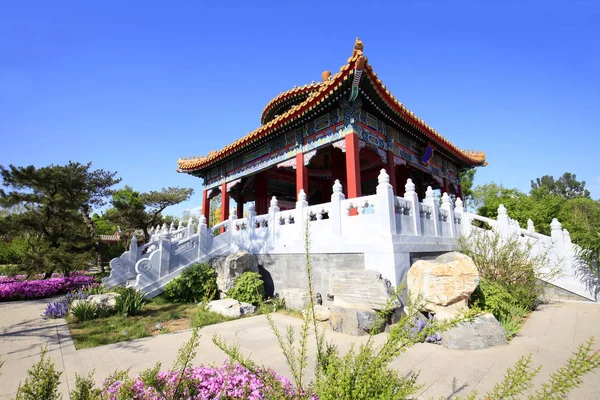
<point>195,284</point>
<point>85,388</point>
<point>248,288</point>
<point>129,302</point>
<point>41,382</point>
<point>84,311</point>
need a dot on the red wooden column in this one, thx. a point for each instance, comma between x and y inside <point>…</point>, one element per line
<point>224,204</point>
<point>260,187</point>
<point>352,166</point>
<point>391,170</point>
<point>301,175</point>
<point>460,193</point>
<point>240,206</point>
<point>206,206</point>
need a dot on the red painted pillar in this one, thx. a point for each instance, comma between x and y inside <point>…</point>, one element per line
<point>446,188</point>
<point>240,206</point>
<point>352,166</point>
<point>260,188</point>
<point>301,175</point>
<point>391,170</point>
<point>206,206</point>
<point>224,204</point>
<point>460,193</point>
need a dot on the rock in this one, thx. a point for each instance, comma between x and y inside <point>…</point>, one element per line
<point>295,299</point>
<point>483,332</point>
<point>230,268</point>
<point>231,308</point>
<point>449,279</point>
<point>321,313</point>
<point>363,290</point>
<point>105,300</point>
<point>353,322</point>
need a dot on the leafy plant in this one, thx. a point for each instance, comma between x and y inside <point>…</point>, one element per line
<point>129,302</point>
<point>60,308</point>
<point>85,388</point>
<point>196,283</point>
<point>84,311</point>
<point>41,382</point>
<point>248,288</point>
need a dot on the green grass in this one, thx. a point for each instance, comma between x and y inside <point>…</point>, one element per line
<point>172,316</point>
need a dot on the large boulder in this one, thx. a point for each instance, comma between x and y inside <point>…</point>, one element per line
<point>354,322</point>
<point>230,268</point>
<point>483,332</point>
<point>443,284</point>
<point>230,308</point>
<point>321,313</point>
<point>362,290</point>
<point>106,300</point>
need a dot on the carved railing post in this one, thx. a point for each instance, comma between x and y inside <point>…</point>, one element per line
<point>251,224</point>
<point>202,236</point>
<point>530,226</point>
<point>503,221</point>
<point>335,213</point>
<point>435,212</point>
<point>190,227</point>
<point>133,253</point>
<point>301,216</point>
<point>165,254</point>
<point>273,222</point>
<point>386,203</point>
<point>415,209</point>
<point>447,207</point>
<point>558,238</point>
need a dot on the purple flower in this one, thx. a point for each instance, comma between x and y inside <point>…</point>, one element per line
<point>34,289</point>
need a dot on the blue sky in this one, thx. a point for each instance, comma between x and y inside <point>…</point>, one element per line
<point>133,86</point>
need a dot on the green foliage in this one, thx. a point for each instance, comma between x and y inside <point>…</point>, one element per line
<point>507,261</point>
<point>581,217</point>
<point>41,382</point>
<point>13,250</point>
<point>85,388</point>
<point>55,221</point>
<point>195,284</point>
<point>589,254</point>
<point>129,302</point>
<point>84,311</point>
<point>566,187</point>
<point>492,297</point>
<point>467,177</point>
<point>248,288</point>
<point>133,210</point>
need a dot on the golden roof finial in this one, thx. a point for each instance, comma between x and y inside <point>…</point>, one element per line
<point>326,75</point>
<point>358,47</point>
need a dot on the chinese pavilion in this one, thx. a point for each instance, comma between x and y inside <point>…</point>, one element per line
<point>346,127</point>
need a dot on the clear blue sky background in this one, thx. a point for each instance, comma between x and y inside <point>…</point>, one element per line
<point>133,86</point>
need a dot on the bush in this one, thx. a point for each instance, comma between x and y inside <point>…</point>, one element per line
<point>84,311</point>
<point>129,302</point>
<point>41,382</point>
<point>195,284</point>
<point>248,288</point>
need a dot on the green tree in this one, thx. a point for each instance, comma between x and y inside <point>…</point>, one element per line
<point>581,217</point>
<point>467,177</point>
<point>567,186</point>
<point>133,210</point>
<point>57,202</point>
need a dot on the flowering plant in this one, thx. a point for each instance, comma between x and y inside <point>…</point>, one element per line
<point>24,290</point>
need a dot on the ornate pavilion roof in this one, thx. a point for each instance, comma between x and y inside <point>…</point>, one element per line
<point>290,106</point>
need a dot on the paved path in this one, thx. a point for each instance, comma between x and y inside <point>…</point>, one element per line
<point>551,335</point>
